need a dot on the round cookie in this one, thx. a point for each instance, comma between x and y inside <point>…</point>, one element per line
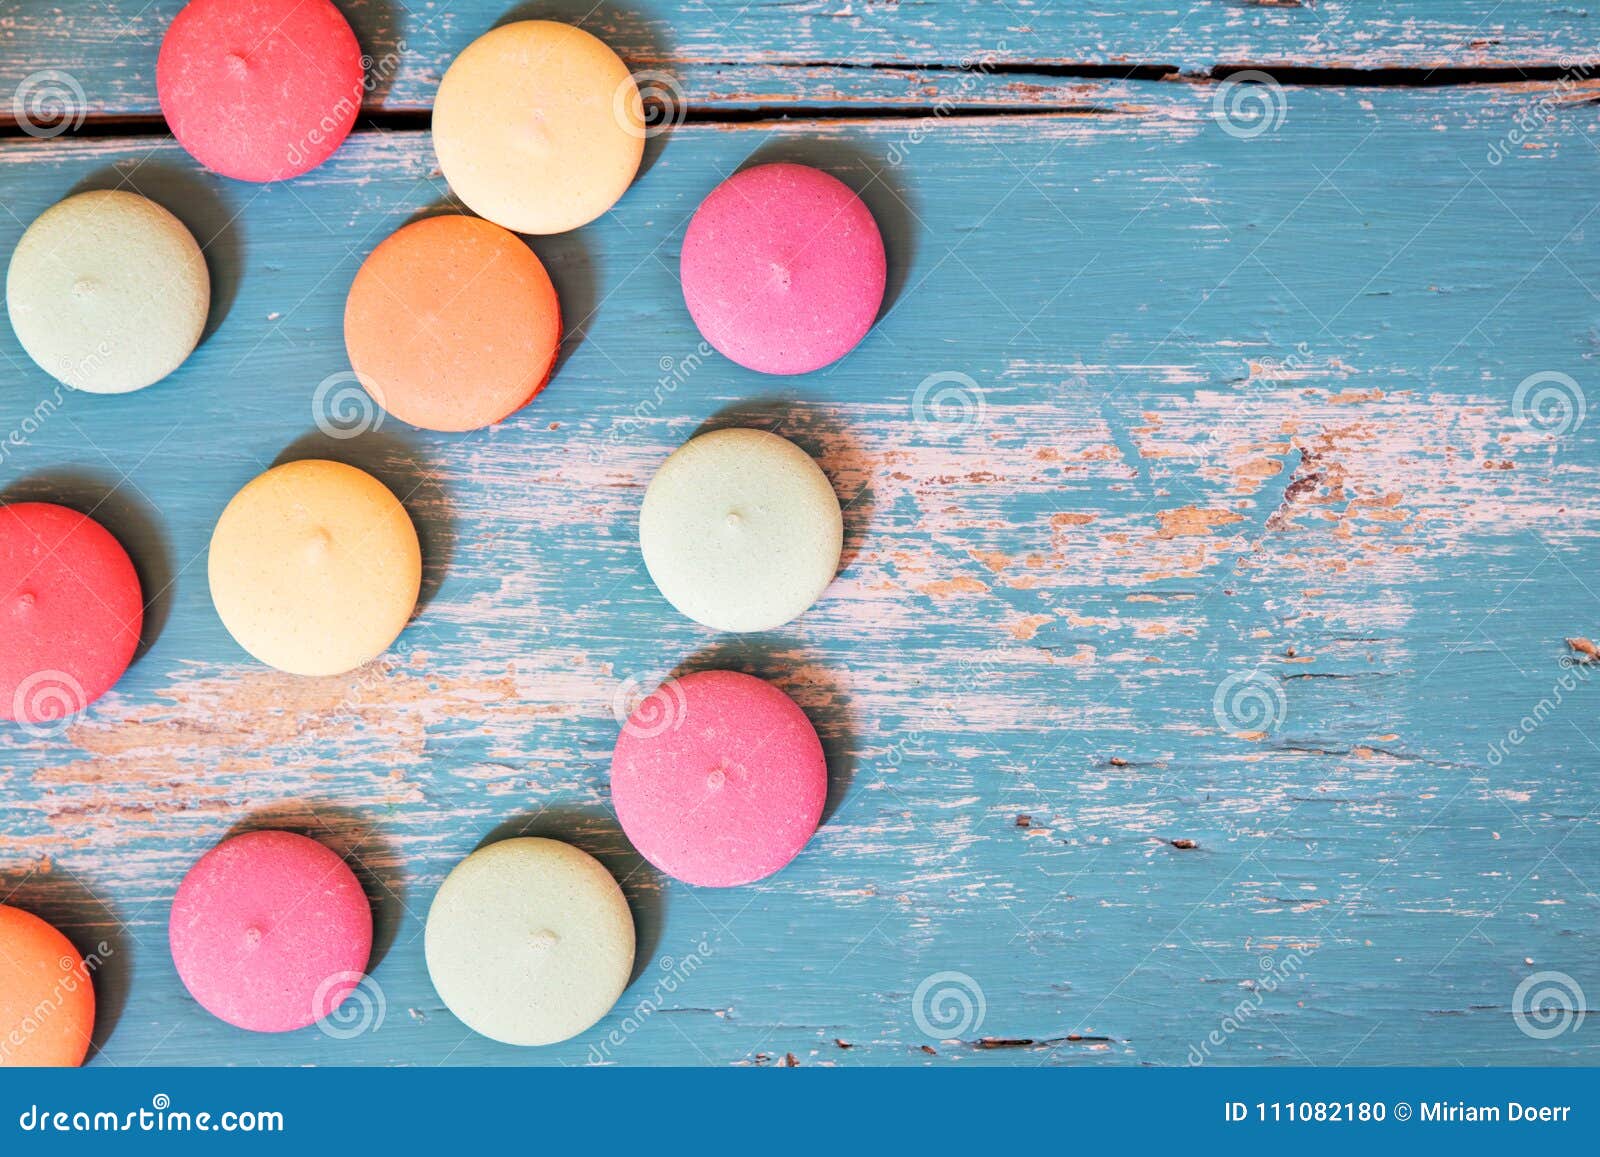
<point>718,778</point>
<point>783,268</point>
<point>529,941</point>
<point>108,292</point>
<point>260,90</point>
<point>46,996</point>
<point>538,126</point>
<point>315,567</point>
<point>71,610</point>
<point>741,530</point>
<point>270,931</point>
<point>452,324</point>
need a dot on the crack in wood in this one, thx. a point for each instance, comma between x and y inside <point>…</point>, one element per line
<point>951,105</point>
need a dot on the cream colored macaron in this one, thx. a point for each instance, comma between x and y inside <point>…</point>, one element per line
<point>538,126</point>
<point>108,292</point>
<point>315,567</point>
<point>529,941</point>
<point>741,530</point>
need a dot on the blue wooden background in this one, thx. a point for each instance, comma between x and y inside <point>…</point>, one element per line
<point>1170,684</point>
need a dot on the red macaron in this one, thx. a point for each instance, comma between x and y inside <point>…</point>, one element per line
<point>260,90</point>
<point>71,610</point>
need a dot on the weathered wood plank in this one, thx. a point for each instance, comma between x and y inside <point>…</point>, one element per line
<point>1246,414</point>
<point>108,50</point>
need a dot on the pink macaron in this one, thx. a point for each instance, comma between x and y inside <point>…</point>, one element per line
<point>270,931</point>
<point>718,778</point>
<point>260,90</point>
<point>783,268</point>
<point>71,610</point>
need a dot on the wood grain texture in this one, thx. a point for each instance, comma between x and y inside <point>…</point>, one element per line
<point>1240,416</point>
<point>744,51</point>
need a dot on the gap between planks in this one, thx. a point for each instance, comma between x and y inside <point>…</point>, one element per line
<point>729,92</point>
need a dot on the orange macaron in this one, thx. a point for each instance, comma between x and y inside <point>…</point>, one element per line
<point>452,323</point>
<point>46,997</point>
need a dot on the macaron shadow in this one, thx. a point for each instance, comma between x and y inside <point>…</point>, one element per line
<point>832,444</point>
<point>870,177</point>
<point>575,272</point>
<point>397,461</point>
<point>777,658</point>
<point>95,928</point>
<point>196,198</point>
<point>599,834</point>
<point>377,863</point>
<point>122,509</point>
